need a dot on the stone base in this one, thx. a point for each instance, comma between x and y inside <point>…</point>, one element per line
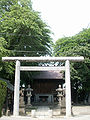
<point>29,108</point>
<point>29,105</point>
<point>22,110</point>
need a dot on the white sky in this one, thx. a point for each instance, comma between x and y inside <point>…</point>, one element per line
<point>65,17</point>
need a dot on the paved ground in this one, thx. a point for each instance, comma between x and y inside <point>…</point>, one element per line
<point>80,113</point>
<point>82,117</point>
<point>81,110</point>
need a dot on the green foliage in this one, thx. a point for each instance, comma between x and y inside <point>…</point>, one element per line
<point>25,3</point>
<point>6,69</point>
<point>5,5</point>
<point>22,33</point>
<point>78,45</point>
<point>3,89</point>
<point>24,30</point>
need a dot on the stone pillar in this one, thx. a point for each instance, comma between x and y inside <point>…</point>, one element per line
<point>68,89</point>
<point>16,89</point>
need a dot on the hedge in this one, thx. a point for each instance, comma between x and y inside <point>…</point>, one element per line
<point>3,91</point>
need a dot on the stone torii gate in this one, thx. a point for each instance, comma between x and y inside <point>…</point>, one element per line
<point>19,68</point>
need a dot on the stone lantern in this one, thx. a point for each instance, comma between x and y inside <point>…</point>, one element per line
<point>29,90</point>
<point>60,95</point>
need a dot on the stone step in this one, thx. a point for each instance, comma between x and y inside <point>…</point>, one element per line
<point>43,111</point>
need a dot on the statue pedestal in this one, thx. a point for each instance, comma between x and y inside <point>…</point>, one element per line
<point>22,110</point>
<point>22,104</point>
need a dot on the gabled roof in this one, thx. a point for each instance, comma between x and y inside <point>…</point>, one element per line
<point>49,75</point>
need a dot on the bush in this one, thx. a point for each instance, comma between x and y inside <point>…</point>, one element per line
<point>3,89</point>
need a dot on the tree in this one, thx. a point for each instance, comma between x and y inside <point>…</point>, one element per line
<point>5,5</point>
<point>78,45</point>
<point>6,70</point>
<point>24,31</point>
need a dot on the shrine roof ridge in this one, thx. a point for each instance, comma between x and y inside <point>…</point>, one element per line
<point>43,59</point>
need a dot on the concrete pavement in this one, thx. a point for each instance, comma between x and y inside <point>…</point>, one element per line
<point>81,117</point>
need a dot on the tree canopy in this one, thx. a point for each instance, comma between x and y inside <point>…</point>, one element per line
<point>78,45</point>
<point>22,33</point>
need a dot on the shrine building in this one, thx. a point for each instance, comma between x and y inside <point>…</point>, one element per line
<point>44,86</point>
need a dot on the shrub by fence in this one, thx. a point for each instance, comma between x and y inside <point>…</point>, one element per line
<point>3,89</point>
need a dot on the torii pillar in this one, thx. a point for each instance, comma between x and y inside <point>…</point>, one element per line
<point>68,88</point>
<point>16,89</point>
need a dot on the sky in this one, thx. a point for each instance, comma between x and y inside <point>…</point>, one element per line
<point>65,17</point>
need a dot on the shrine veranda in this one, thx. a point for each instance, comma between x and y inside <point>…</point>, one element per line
<point>65,68</point>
